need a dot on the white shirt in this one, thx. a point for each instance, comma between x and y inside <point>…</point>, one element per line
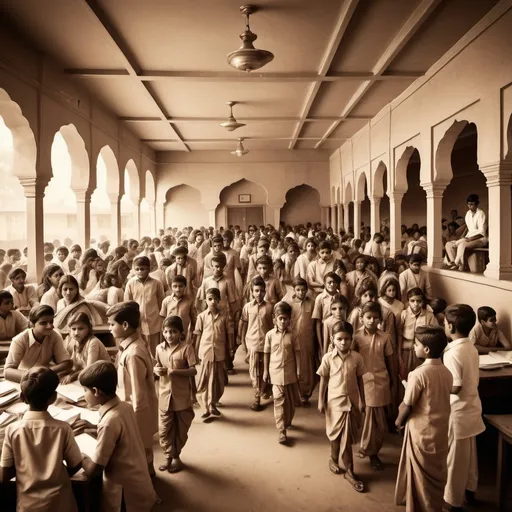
<point>476,223</point>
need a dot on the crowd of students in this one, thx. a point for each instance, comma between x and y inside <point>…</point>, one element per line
<point>306,305</point>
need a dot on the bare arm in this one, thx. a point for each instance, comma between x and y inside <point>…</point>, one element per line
<point>360,385</point>
<point>321,394</point>
<point>403,414</point>
<point>91,469</point>
<point>266,364</point>
<point>14,375</point>
<point>318,330</point>
<point>243,333</point>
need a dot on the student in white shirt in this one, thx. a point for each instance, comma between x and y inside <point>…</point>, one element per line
<point>476,235</point>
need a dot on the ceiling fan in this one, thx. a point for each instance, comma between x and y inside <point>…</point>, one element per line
<point>231,124</point>
<point>240,150</point>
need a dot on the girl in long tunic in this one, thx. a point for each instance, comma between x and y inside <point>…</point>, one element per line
<point>306,257</point>
<point>48,289</point>
<point>358,276</point>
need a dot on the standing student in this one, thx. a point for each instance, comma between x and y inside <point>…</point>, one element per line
<point>377,351</point>
<point>12,322</point>
<point>389,296</point>
<point>414,277</point>
<point>282,368</point>
<point>341,391</point>
<point>318,268</point>
<point>175,365</point>
<point>256,321</point>
<point>461,358</point>
<point>306,257</point>
<point>120,454</point>
<point>274,289</point>
<point>425,411</point>
<point>184,266</point>
<point>339,309</point>
<point>149,294</point>
<point>24,296</point>
<point>357,277</point>
<point>36,447</point>
<point>135,372</point>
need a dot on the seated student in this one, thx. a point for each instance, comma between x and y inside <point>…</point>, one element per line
<point>418,244</point>
<point>24,296</point>
<point>12,322</point>
<point>83,347</point>
<point>48,290</point>
<point>109,291</point>
<point>61,255</point>
<point>414,277</point>
<point>120,452</point>
<point>36,447</point>
<point>486,335</point>
<point>425,411</point>
<point>37,346</point>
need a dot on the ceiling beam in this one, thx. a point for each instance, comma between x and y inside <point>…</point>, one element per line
<point>213,76</point>
<point>347,11</point>
<point>132,66</point>
<point>410,27</point>
<point>233,139</point>
<point>173,120</point>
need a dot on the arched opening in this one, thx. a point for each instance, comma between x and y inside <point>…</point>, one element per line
<point>147,207</point>
<point>12,198</point>
<point>100,203</point>
<point>302,205</point>
<point>178,211</point>
<point>509,139</point>
<point>365,206</point>
<point>414,202</point>
<point>130,201</point>
<point>380,189</point>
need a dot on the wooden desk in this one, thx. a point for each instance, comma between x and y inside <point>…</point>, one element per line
<point>495,390</point>
<point>503,423</point>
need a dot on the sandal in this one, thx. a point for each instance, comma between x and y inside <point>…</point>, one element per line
<point>376,463</point>
<point>334,468</point>
<point>166,466</point>
<point>256,406</point>
<point>352,480</point>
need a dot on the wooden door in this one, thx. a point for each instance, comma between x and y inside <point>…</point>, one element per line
<point>243,216</point>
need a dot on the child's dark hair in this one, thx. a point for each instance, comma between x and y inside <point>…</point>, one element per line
<point>367,285</point>
<point>390,281</point>
<point>180,251</point>
<point>173,322</point>
<point>15,272</point>
<point>141,261</point>
<point>165,262</point>
<point>324,244</point>
<point>69,279</point>
<point>179,280</point>
<point>282,308</point>
<point>462,317</point>
<point>220,258</point>
<point>484,313</point>
<point>340,299</point>
<point>311,241</point>
<point>432,337</point>
<point>213,291</point>
<point>415,258</point>
<point>108,280</point>
<point>47,273</point>
<point>300,282</point>
<point>342,326</point>
<point>258,281</point>
<point>371,307</point>
<point>38,312</point>
<point>438,305</point>
<point>417,291</point>
<point>38,387</point>
<point>363,258</point>
<point>390,265</point>
<point>335,277</point>
<point>63,249</point>
<point>264,260</point>
<point>128,312</point>
<point>5,295</point>
<point>101,375</point>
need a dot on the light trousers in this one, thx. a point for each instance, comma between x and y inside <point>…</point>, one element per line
<point>456,248</point>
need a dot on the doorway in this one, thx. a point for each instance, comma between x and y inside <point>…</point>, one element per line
<point>243,217</point>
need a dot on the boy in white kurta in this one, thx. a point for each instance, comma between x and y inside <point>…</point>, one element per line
<point>414,277</point>
<point>12,322</point>
<point>24,296</point>
<point>425,412</point>
<point>319,267</point>
<point>341,372</point>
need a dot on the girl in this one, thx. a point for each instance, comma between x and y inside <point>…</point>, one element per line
<point>117,255</point>
<point>390,270</point>
<point>121,270</point>
<point>87,277</point>
<point>49,285</point>
<point>109,291</point>
<point>37,346</point>
<point>389,296</point>
<point>290,268</point>
<point>341,270</point>
<point>83,347</point>
<point>306,257</point>
<point>358,276</point>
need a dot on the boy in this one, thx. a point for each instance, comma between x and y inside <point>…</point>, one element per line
<point>414,277</point>
<point>24,297</point>
<point>217,245</point>
<point>179,304</point>
<point>274,290</point>
<point>426,409</point>
<point>485,335</point>
<point>12,322</point>
<point>61,255</point>
<point>262,249</point>
<point>36,446</point>
<point>377,351</point>
<point>119,451</point>
<point>213,340</point>
<point>184,266</point>
<point>282,368</point>
<point>339,308</point>
<point>461,358</point>
<point>159,274</point>
<point>149,294</point>
<point>318,268</point>
<point>256,321</point>
<point>341,381</point>
<point>175,365</point>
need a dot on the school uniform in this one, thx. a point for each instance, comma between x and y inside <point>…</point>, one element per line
<point>175,396</point>
<point>50,298</point>
<point>12,324</point>
<point>26,352</point>
<point>258,317</point>
<point>355,279</point>
<point>327,331</point>
<point>159,275</point>
<point>149,295</point>
<point>226,289</point>
<point>409,280</point>
<point>188,270</point>
<point>461,358</point>
<point>323,302</point>
<point>315,274</point>
<point>25,300</point>
<point>342,415</point>
<point>495,338</point>
<point>422,470</point>
<point>374,348</point>
<point>36,446</point>
<point>121,451</point>
<point>92,351</point>
<point>302,263</point>
<point>185,308</point>
<point>213,330</point>
<point>232,270</point>
<point>273,290</point>
<point>283,348</point>
<point>396,308</point>
<point>136,385</point>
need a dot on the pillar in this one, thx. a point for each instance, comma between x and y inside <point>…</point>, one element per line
<point>83,217</point>
<point>375,215</point>
<point>499,182</point>
<point>434,222</point>
<point>357,219</point>
<point>341,223</point>
<point>115,219</point>
<point>136,218</point>
<point>333,218</point>
<point>152,219</point>
<point>346,220</point>
<point>395,221</point>
<point>33,189</point>
<point>211,218</point>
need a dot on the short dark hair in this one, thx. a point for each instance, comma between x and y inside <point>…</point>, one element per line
<point>473,198</point>
<point>101,375</point>
<point>342,327</point>
<point>63,249</point>
<point>213,291</point>
<point>282,308</point>
<point>173,322</point>
<point>180,251</point>
<point>264,260</point>
<point>128,312</point>
<point>220,258</point>
<point>484,313</point>
<point>179,279</point>
<point>371,307</point>
<point>438,305</point>
<point>416,291</point>
<point>38,386</point>
<point>462,317</point>
<point>340,299</point>
<point>258,281</point>
<point>415,258</point>
<point>432,337</point>
<point>142,261</point>
<point>324,244</point>
<point>334,276</point>
<point>38,312</point>
<point>300,282</point>
<point>5,295</point>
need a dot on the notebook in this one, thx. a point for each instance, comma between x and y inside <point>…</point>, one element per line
<point>495,360</point>
<point>68,415</point>
<point>7,387</point>
<point>87,444</point>
<point>8,398</point>
<point>73,391</point>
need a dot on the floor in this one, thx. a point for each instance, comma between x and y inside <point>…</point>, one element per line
<point>234,463</point>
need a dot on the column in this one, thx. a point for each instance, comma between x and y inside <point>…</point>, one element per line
<point>395,221</point>
<point>499,181</point>
<point>333,218</point>
<point>434,222</point>
<point>152,219</point>
<point>34,195</point>
<point>375,215</point>
<point>136,218</point>
<point>115,219</point>
<point>83,217</point>
<point>346,213</point>
<point>341,222</point>
<point>211,218</point>
<point>357,219</point>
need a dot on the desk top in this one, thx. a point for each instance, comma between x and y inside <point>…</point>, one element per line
<point>503,422</point>
<point>496,374</point>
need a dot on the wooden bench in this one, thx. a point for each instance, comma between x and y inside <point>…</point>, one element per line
<point>478,259</point>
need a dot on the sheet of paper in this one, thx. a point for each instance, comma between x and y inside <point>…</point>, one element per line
<point>7,399</point>
<point>70,415</point>
<point>87,444</point>
<point>487,359</point>
<point>5,416</point>
<point>502,355</point>
<point>18,408</point>
<point>73,391</point>
<point>7,387</point>
<point>93,417</point>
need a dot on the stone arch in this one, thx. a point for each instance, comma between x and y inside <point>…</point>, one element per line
<point>379,186</point>
<point>302,205</point>
<point>401,168</point>
<point>333,195</point>
<point>508,156</point>
<point>348,193</point>
<point>107,184</point>
<point>443,165</point>
<point>112,168</point>
<point>150,190</point>
<point>81,178</point>
<point>240,185</point>
<point>361,187</point>
<point>177,207</point>
<point>414,201</point>
<point>134,186</point>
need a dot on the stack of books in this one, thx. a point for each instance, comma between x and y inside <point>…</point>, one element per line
<point>9,392</point>
<point>495,360</point>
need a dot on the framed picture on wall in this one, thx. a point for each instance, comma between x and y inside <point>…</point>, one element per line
<point>244,198</point>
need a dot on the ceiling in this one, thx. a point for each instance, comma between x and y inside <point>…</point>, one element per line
<point>160,65</point>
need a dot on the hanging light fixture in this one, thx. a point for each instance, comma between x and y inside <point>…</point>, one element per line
<point>247,58</point>
<point>231,124</point>
<point>240,150</point>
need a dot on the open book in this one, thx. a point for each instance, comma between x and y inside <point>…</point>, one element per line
<point>7,387</point>
<point>72,391</point>
<point>87,444</point>
<point>494,360</point>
